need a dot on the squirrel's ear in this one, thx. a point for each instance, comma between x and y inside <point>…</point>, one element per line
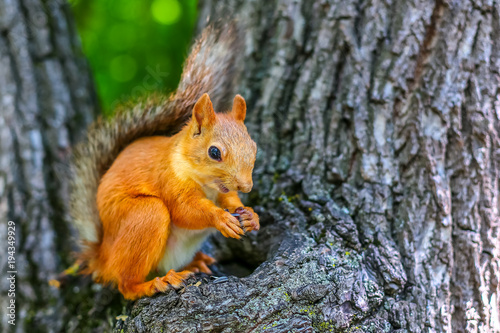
<point>203,113</point>
<point>239,108</point>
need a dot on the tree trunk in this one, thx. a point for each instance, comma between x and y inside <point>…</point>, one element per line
<point>377,177</point>
<point>47,101</point>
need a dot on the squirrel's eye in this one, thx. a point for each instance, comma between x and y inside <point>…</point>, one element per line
<point>214,153</point>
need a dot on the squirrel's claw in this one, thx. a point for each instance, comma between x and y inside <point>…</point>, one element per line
<point>229,226</point>
<point>175,279</point>
<point>248,218</point>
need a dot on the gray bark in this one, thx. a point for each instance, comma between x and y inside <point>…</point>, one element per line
<point>377,175</point>
<point>47,100</point>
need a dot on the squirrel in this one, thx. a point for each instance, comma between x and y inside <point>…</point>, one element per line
<point>151,183</point>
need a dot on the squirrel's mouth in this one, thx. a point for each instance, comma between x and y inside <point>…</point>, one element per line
<point>223,188</point>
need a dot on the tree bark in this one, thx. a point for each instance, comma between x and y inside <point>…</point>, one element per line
<point>47,101</point>
<point>377,176</point>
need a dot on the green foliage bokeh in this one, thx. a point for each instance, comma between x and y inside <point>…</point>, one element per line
<point>134,46</point>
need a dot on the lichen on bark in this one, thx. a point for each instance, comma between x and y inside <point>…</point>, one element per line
<point>376,178</point>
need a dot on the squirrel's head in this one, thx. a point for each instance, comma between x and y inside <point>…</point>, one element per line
<point>219,148</point>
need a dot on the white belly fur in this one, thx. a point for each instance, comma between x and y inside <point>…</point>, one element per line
<point>182,245</point>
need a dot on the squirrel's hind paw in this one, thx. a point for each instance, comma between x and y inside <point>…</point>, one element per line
<point>176,279</point>
<point>200,263</point>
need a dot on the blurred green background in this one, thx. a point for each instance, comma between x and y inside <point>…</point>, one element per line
<point>134,47</point>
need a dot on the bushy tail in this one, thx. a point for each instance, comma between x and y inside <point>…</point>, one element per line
<point>212,67</point>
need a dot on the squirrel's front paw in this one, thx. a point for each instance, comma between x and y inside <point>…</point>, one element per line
<point>248,218</point>
<point>229,226</point>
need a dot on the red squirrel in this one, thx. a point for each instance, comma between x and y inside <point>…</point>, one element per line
<point>144,203</point>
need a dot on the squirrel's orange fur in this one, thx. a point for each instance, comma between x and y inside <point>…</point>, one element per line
<point>163,195</point>
<point>143,201</point>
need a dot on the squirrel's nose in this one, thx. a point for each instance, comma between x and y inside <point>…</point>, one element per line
<point>245,187</point>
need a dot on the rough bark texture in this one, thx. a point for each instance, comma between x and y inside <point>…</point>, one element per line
<point>377,176</point>
<point>46,101</point>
